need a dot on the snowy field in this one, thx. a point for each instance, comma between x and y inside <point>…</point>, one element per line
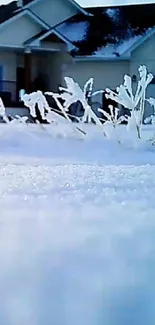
<point>77,225</point>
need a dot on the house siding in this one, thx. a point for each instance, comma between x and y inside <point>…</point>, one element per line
<point>54,69</point>
<point>8,61</point>
<point>54,12</point>
<point>50,64</point>
<point>145,55</point>
<point>8,64</point>
<point>105,74</point>
<point>54,46</point>
<point>18,31</point>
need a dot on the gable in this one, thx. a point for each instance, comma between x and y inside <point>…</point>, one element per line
<point>53,12</point>
<point>18,31</point>
<point>52,39</point>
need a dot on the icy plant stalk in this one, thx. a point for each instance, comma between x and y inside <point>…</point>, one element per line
<point>135,103</point>
<point>3,111</point>
<point>145,79</point>
<point>151,118</point>
<point>64,110</point>
<point>36,98</point>
<point>72,94</point>
<point>113,119</point>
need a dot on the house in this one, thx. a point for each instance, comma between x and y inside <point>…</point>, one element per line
<point>31,45</point>
<point>41,41</point>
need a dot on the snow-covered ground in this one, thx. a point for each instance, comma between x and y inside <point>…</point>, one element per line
<point>77,225</point>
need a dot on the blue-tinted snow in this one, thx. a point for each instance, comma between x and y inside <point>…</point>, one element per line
<point>77,225</point>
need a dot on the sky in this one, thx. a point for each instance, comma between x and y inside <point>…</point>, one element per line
<point>89,3</point>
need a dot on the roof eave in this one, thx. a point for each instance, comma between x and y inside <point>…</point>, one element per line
<point>22,13</point>
<point>140,41</point>
<point>49,32</point>
<point>85,12</point>
<point>90,58</point>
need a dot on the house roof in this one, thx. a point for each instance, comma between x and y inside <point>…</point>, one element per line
<point>109,33</point>
<point>112,32</point>
<point>50,35</point>
<point>7,11</point>
<point>28,3</point>
<point>11,9</point>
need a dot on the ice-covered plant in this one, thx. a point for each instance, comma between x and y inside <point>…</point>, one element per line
<point>17,120</point>
<point>125,95</point>
<point>89,94</point>
<point>134,102</point>
<point>57,97</point>
<point>151,118</point>
<point>88,88</point>
<point>113,118</point>
<point>36,98</point>
<point>73,94</point>
<point>3,111</point>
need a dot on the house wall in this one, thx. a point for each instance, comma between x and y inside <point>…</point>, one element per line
<point>55,65</point>
<point>8,64</point>
<point>18,31</point>
<point>144,55</point>
<point>59,46</point>
<point>49,64</point>
<point>54,12</point>
<point>8,61</point>
<point>105,74</point>
<point>37,63</point>
<point>14,111</point>
<point>53,69</point>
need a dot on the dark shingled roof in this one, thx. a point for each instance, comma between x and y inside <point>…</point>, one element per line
<point>25,2</point>
<point>112,26</point>
<point>107,32</point>
<point>7,11</point>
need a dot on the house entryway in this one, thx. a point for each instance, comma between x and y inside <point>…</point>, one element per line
<point>29,72</point>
